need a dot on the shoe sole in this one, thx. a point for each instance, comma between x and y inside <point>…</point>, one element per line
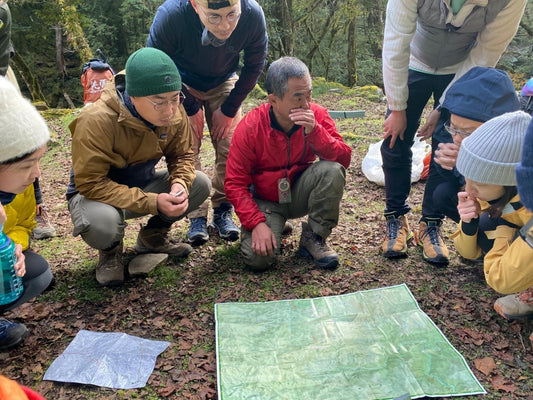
<point>437,262</point>
<point>197,240</point>
<point>508,317</point>
<point>329,265</point>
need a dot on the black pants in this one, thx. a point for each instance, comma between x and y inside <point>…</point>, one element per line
<point>442,186</point>
<point>397,161</point>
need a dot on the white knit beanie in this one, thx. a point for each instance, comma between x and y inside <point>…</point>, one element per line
<point>491,153</point>
<point>22,128</point>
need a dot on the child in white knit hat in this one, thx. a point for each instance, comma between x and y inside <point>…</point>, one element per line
<point>23,134</point>
<point>492,214</point>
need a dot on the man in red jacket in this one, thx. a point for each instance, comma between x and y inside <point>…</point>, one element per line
<point>271,173</point>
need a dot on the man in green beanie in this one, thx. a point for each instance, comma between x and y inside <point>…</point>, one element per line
<point>116,144</point>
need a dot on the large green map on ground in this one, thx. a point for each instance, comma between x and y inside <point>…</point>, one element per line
<point>375,344</point>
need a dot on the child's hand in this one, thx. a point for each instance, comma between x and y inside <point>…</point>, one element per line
<point>20,266</point>
<point>468,207</point>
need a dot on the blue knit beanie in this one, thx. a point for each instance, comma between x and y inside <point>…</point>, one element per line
<point>482,93</point>
<point>150,71</point>
<point>524,171</point>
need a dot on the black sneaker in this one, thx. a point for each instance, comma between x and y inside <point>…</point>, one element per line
<point>223,222</point>
<point>11,334</point>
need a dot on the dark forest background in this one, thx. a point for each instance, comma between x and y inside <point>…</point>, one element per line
<point>340,40</point>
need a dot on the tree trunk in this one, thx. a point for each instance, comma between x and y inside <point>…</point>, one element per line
<point>351,60</point>
<point>59,52</point>
<point>30,80</point>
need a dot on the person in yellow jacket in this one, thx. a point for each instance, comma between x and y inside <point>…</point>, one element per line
<point>492,215</point>
<point>23,135</point>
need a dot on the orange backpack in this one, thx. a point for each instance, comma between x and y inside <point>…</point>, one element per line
<point>95,74</point>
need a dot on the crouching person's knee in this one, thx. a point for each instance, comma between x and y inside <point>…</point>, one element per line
<point>258,263</point>
<point>100,225</point>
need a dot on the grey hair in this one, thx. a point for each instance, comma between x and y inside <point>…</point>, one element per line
<point>279,73</point>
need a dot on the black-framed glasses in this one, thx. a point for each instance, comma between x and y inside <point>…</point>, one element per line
<point>453,131</point>
<point>216,19</point>
<point>162,105</point>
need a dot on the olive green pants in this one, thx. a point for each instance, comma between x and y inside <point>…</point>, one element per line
<point>317,193</point>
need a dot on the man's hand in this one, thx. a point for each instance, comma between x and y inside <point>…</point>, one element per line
<point>446,155</point>
<point>20,265</point>
<point>197,123</point>
<point>221,125</point>
<point>303,117</point>
<point>429,127</point>
<point>175,203</point>
<point>263,240</point>
<point>395,126</point>
<point>468,207</point>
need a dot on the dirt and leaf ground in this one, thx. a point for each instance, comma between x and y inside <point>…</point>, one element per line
<point>175,303</point>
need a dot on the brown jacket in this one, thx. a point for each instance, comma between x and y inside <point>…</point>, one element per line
<point>114,153</point>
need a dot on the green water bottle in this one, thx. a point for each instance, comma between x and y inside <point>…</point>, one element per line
<point>10,284</point>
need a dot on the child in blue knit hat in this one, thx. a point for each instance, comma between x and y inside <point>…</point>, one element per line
<point>492,214</point>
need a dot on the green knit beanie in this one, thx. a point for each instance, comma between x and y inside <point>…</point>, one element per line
<point>150,71</point>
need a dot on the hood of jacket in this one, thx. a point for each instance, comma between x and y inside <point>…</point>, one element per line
<point>482,93</point>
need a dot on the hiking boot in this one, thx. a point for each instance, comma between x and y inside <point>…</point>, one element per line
<point>223,222</point>
<point>315,246</point>
<point>44,229</point>
<point>197,233</point>
<point>429,237</point>
<point>11,334</point>
<point>156,240</point>
<point>510,307</point>
<point>110,270</point>
<point>143,264</point>
<point>398,234</point>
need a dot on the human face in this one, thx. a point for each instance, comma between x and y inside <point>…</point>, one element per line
<point>221,22</point>
<point>461,127</point>
<point>298,95</point>
<point>158,109</point>
<point>484,191</point>
<point>16,177</point>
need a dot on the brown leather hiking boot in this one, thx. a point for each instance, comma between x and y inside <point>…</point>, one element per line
<point>398,234</point>
<point>110,270</point>
<point>315,246</point>
<point>158,241</point>
<point>429,237</point>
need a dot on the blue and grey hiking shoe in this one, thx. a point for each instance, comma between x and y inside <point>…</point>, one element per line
<point>197,233</point>
<point>11,334</point>
<point>223,222</point>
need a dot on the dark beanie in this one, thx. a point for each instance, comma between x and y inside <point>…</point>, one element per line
<point>150,71</point>
<point>481,94</point>
<point>524,171</point>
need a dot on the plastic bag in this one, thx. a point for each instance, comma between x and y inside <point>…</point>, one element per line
<point>372,163</point>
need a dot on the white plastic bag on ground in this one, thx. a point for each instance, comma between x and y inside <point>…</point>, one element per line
<point>372,163</point>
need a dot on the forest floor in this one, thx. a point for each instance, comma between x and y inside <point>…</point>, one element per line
<point>176,301</point>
